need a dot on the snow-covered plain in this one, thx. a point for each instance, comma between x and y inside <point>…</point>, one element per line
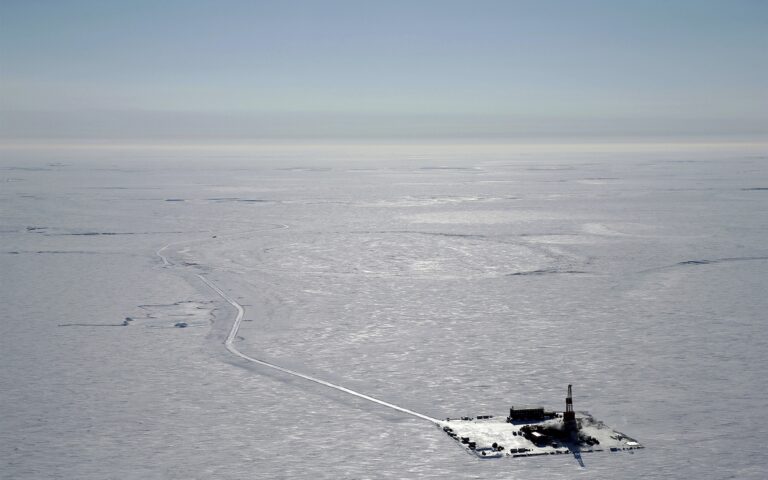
<point>450,281</point>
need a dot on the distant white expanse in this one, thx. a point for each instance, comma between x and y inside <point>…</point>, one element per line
<point>448,279</point>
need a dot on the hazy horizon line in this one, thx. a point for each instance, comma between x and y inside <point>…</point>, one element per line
<point>553,143</point>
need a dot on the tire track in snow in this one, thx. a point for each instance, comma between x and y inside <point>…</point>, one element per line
<point>230,346</point>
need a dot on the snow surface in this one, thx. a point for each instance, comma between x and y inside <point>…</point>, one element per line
<point>491,281</point>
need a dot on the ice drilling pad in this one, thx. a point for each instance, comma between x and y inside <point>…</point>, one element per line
<point>533,431</point>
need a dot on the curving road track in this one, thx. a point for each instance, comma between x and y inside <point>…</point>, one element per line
<point>230,346</point>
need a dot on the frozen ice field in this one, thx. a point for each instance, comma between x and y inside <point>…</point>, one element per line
<point>448,281</point>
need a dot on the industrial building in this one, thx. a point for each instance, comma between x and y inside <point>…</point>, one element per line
<point>529,413</point>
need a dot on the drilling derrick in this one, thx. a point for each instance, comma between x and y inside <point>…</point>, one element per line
<point>569,416</point>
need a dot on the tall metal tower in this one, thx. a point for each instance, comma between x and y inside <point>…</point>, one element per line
<point>569,416</point>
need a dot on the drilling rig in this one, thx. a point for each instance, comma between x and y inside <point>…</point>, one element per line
<point>569,416</point>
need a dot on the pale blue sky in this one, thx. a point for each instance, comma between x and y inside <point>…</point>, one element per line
<point>263,69</point>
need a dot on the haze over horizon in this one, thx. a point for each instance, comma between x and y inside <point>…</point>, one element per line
<point>492,70</point>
